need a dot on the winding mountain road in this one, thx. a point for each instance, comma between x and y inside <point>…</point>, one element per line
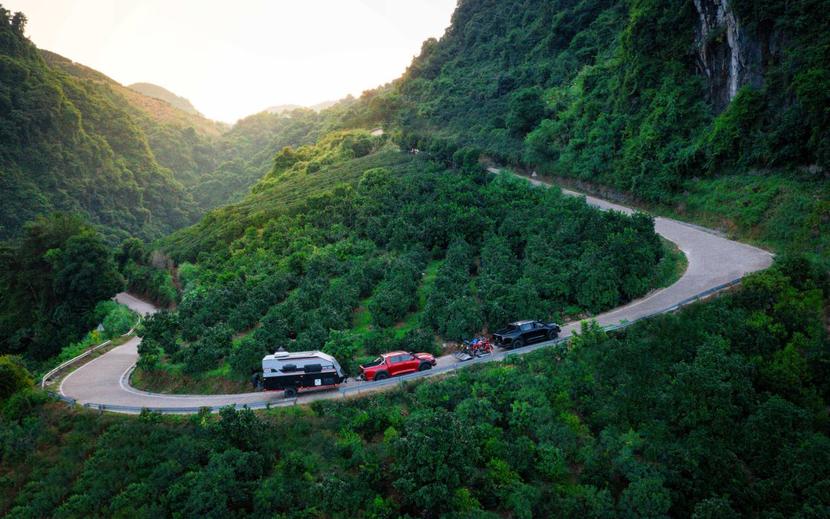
<point>713,261</point>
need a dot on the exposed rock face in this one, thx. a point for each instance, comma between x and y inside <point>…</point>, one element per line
<point>729,55</point>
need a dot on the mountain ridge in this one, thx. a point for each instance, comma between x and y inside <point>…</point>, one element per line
<point>159,92</point>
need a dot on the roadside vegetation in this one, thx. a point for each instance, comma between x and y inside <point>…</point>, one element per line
<point>719,410</point>
<point>114,320</point>
<point>355,243</point>
<point>612,94</point>
<point>394,257</point>
<point>51,279</point>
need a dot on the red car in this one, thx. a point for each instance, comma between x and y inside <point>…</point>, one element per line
<point>396,363</point>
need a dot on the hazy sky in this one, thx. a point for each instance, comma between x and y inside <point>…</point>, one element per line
<point>235,58</point>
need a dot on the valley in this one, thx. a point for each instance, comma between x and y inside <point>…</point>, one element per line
<point>714,262</point>
<point>650,175</point>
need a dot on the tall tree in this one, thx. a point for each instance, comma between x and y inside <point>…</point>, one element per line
<point>52,278</point>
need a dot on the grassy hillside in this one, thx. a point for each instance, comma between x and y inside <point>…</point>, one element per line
<point>245,153</point>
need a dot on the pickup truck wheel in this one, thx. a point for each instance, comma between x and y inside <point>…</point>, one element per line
<point>518,343</point>
<point>290,392</point>
<point>553,334</point>
<point>382,375</point>
<point>424,366</point>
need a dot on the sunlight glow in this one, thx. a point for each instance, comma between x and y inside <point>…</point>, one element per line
<point>232,59</point>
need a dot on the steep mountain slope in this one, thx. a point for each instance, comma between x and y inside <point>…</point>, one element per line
<point>213,164</point>
<point>65,146</point>
<point>656,99</point>
<point>181,141</point>
<point>217,164</point>
<point>593,75</point>
<point>245,153</point>
<point>158,92</point>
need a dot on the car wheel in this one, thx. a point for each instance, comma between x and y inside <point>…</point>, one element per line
<point>290,392</point>
<point>382,376</point>
<point>553,334</point>
<point>424,366</point>
<point>518,343</point>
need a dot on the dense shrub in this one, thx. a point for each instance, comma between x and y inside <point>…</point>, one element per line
<point>115,318</point>
<point>345,346</point>
<point>51,280</point>
<point>162,328</point>
<point>648,421</point>
<point>394,297</point>
<point>246,357</point>
<point>154,283</point>
<point>205,353</point>
<point>13,377</point>
<point>499,250</point>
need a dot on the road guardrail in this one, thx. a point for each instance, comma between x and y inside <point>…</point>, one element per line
<point>60,367</point>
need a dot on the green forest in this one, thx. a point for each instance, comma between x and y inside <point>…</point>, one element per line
<point>344,270</point>
<point>74,140</point>
<point>398,220</point>
<point>716,411</point>
<point>608,94</point>
<point>67,148</point>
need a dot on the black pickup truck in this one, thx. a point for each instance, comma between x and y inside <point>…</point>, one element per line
<point>516,335</point>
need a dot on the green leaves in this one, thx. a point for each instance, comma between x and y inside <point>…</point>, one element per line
<point>358,259</point>
<point>431,457</point>
<point>524,110</point>
<point>52,278</point>
<point>13,377</point>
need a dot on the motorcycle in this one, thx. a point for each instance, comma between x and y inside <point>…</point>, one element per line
<point>473,348</point>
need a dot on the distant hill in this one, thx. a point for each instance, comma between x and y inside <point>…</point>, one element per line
<point>181,141</point>
<point>156,108</point>
<point>216,163</point>
<point>278,109</point>
<point>151,90</point>
<point>69,142</point>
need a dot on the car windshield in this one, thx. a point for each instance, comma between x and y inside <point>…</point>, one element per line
<point>511,328</point>
<point>527,326</point>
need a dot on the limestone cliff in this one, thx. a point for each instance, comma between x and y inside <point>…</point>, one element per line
<point>729,53</point>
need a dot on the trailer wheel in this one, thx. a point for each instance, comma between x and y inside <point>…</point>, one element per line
<point>290,392</point>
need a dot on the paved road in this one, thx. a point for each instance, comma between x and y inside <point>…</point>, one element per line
<point>143,308</point>
<point>712,261</point>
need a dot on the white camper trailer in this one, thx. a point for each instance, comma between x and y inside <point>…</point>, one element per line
<point>292,371</point>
